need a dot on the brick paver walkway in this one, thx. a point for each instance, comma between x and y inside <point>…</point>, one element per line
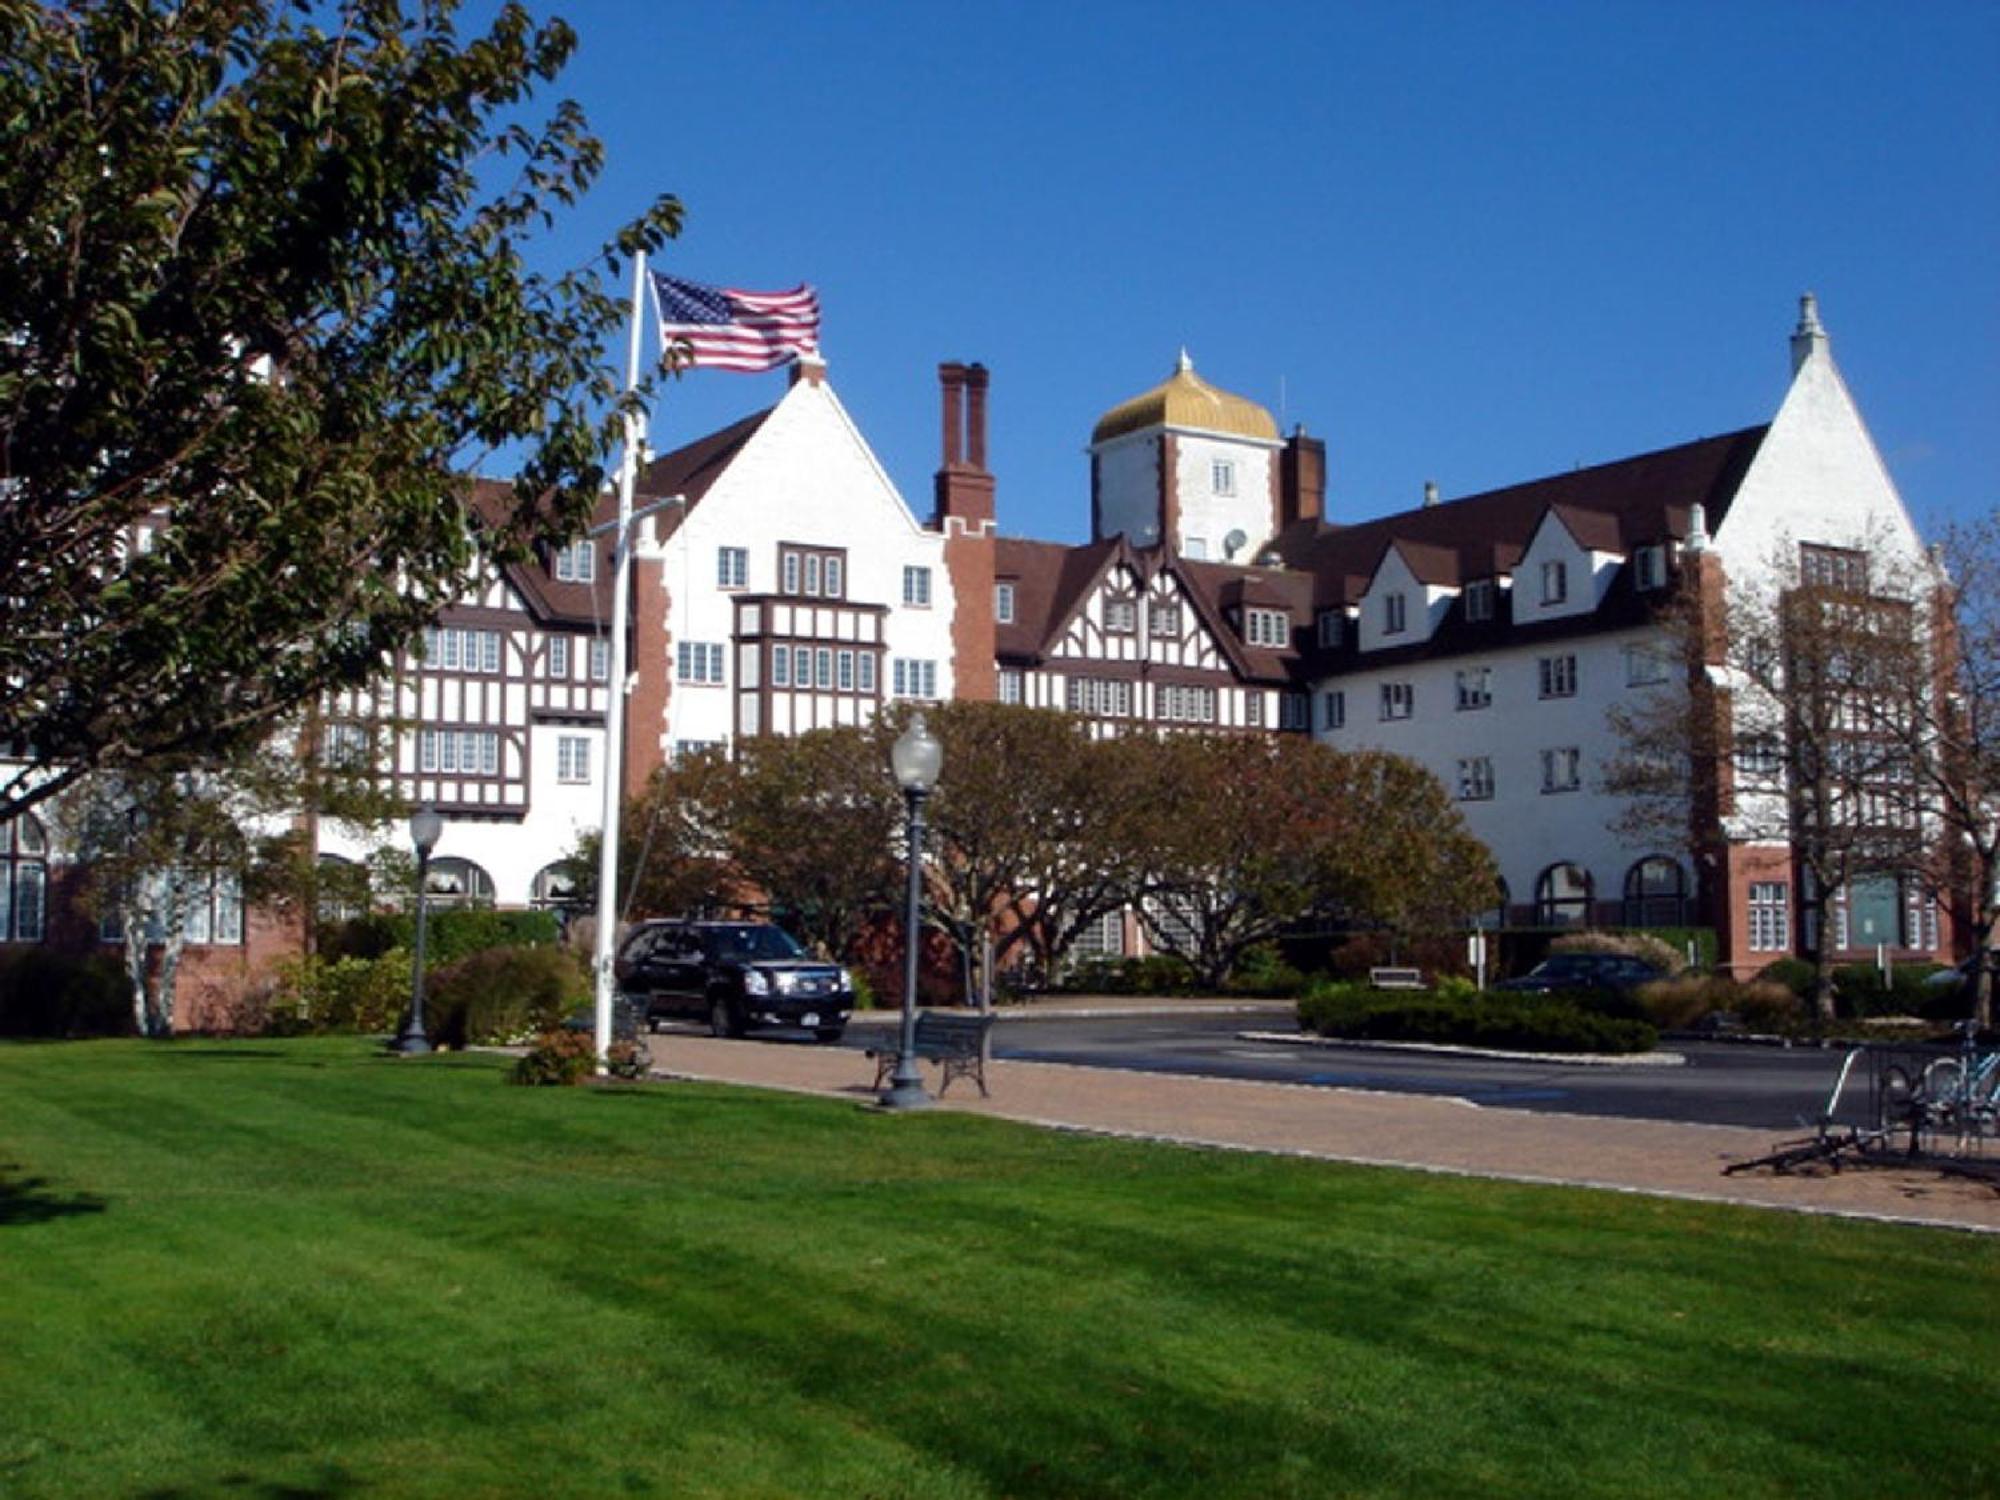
<point>1421,1132</point>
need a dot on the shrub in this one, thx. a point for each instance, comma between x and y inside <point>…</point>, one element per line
<point>1640,945</point>
<point>1795,974</point>
<point>58,995</point>
<point>364,995</point>
<point>1764,1006</point>
<point>1540,1023</point>
<point>1156,974</point>
<point>449,935</point>
<point>558,1058</point>
<point>1263,971</point>
<point>503,995</point>
<point>1862,990</point>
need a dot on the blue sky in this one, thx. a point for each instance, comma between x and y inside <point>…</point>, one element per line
<point>1475,243</point>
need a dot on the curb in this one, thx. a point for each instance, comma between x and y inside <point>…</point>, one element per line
<point>1578,1059</point>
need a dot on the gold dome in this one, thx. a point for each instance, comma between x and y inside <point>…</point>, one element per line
<point>1184,399</point>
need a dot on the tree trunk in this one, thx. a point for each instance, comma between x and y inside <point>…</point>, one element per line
<point>134,917</point>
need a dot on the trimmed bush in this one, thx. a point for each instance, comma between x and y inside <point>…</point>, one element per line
<point>449,935</point>
<point>59,995</point>
<point>1535,1023</point>
<point>1860,990</point>
<point>503,995</point>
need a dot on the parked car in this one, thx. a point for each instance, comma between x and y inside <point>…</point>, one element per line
<point>737,976</point>
<point>1585,971</point>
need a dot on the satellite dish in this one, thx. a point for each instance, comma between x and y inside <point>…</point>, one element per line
<point>1233,543</point>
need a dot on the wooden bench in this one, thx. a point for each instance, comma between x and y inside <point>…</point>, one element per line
<point>1395,979</point>
<point>956,1042</point>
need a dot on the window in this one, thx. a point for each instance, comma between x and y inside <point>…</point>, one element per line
<point>698,661</point>
<point>1562,897</point>
<point>458,882</point>
<point>1759,757</point>
<point>1267,627</point>
<point>1394,614</point>
<point>459,752</point>
<point>1649,567</point>
<point>1186,705</point>
<point>1655,893</point>
<point>1841,568</point>
<point>813,563</point>
<point>788,572</point>
<point>1558,675</point>
<point>865,672</point>
<point>1399,700</point>
<point>1010,687</point>
<point>1003,603</point>
<point>1103,937</point>
<point>1195,547</point>
<point>1555,582</point>
<point>823,667</point>
<point>1222,476</point>
<point>802,666</point>
<point>1098,696</point>
<point>685,750</point>
<point>1253,709</point>
<point>1645,666</point>
<point>843,671</point>
<point>835,577</point>
<point>781,666</point>
<point>1475,779</point>
<point>215,908</point>
<point>1479,600</point>
<point>1475,688</point>
<point>912,678</point>
<point>917,587</point>
<point>1329,627</point>
<point>1164,620</point>
<point>1770,916</point>
<point>1294,711</point>
<point>559,656</point>
<point>732,567</point>
<point>456,649</point>
<point>600,660</point>
<point>1121,616</point>
<point>553,888</point>
<point>345,746</point>
<point>1562,769</point>
<point>24,879</point>
<point>1333,709</point>
<point>572,759</point>
<point>576,563</point>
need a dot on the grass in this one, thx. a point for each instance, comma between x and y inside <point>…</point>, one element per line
<point>299,1268</point>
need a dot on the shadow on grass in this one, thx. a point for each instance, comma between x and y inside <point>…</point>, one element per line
<point>331,1483</point>
<point>28,1200</point>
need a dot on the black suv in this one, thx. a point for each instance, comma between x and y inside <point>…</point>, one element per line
<point>734,975</point>
<point>1585,971</point>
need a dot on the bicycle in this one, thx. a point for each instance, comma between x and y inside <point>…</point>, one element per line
<point>1959,1095</point>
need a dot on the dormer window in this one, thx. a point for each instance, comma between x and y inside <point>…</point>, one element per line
<point>1266,627</point>
<point>576,563</point>
<point>1395,615</point>
<point>1164,620</point>
<point>1003,603</point>
<point>1479,601</point>
<point>1841,568</point>
<point>1222,476</point>
<point>1649,567</point>
<point>1121,617</point>
<point>1329,627</point>
<point>1555,582</point>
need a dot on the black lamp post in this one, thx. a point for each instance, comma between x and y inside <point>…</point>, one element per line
<point>425,829</point>
<point>916,758</point>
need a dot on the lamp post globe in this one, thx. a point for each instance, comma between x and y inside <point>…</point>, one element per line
<point>916,758</point>
<point>426,828</point>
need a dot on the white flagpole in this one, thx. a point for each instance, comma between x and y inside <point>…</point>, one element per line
<point>614,708</point>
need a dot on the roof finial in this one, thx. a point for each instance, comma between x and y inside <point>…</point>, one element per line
<point>1184,366</point>
<point>1809,338</point>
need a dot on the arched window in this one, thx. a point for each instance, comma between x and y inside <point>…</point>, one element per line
<point>1562,897</point>
<point>24,880</point>
<point>554,888</point>
<point>1655,893</point>
<point>458,882</point>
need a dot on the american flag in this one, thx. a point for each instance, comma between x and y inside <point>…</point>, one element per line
<point>727,329</point>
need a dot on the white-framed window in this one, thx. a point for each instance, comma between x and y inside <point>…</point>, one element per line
<point>1770,916</point>
<point>1267,627</point>
<point>600,659</point>
<point>215,909</point>
<point>1759,757</point>
<point>1163,621</point>
<point>1253,709</point>
<point>1558,675</point>
<point>576,563</point>
<point>1333,709</point>
<point>1010,686</point>
<point>912,677</point>
<point>1003,604</point>
<point>1475,778</point>
<point>1121,617</point>
<point>843,670</point>
<point>732,567</point>
<point>781,666</point>
<point>917,587</point>
<point>559,656</point>
<point>1100,697</point>
<point>1399,700</point>
<point>1479,600</point>
<point>1103,937</point>
<point>1645,666</point>
<point>1222,476</point>
<point>1649,567</point>
<point>1195,547</point>
<point>24,879</point>
<point>1562,769</point>
<point>1475,688</point>
<point>1328,627</point>
<point>345,746</point>
<point>813,565</point>
<point>835,578</point>
<point>823,667</point>
<point>788,572</point>
<point>459,752</point>
<point>1555,581</point>
<point>1185,705</point>
<point>572,759</point>
<point>1395,614</point>
<point>1842,568</point>
<point>698,661</point>
<point>865,672</point>
<point>455,648</point>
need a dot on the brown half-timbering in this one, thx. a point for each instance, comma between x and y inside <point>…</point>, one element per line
<point>812,572</point>
<point>838,646</point>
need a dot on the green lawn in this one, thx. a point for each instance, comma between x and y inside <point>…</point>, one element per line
<point>299,1268</point>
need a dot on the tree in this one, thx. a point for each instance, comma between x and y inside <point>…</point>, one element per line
<point>264,299</point>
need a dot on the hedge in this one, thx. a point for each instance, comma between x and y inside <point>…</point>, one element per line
<point>449,935</point>
<point>1535,1023</point>
<point>49,994</point>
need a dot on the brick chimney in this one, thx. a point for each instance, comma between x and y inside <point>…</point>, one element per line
<point>1301,479</point>
<point>965,516</point>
